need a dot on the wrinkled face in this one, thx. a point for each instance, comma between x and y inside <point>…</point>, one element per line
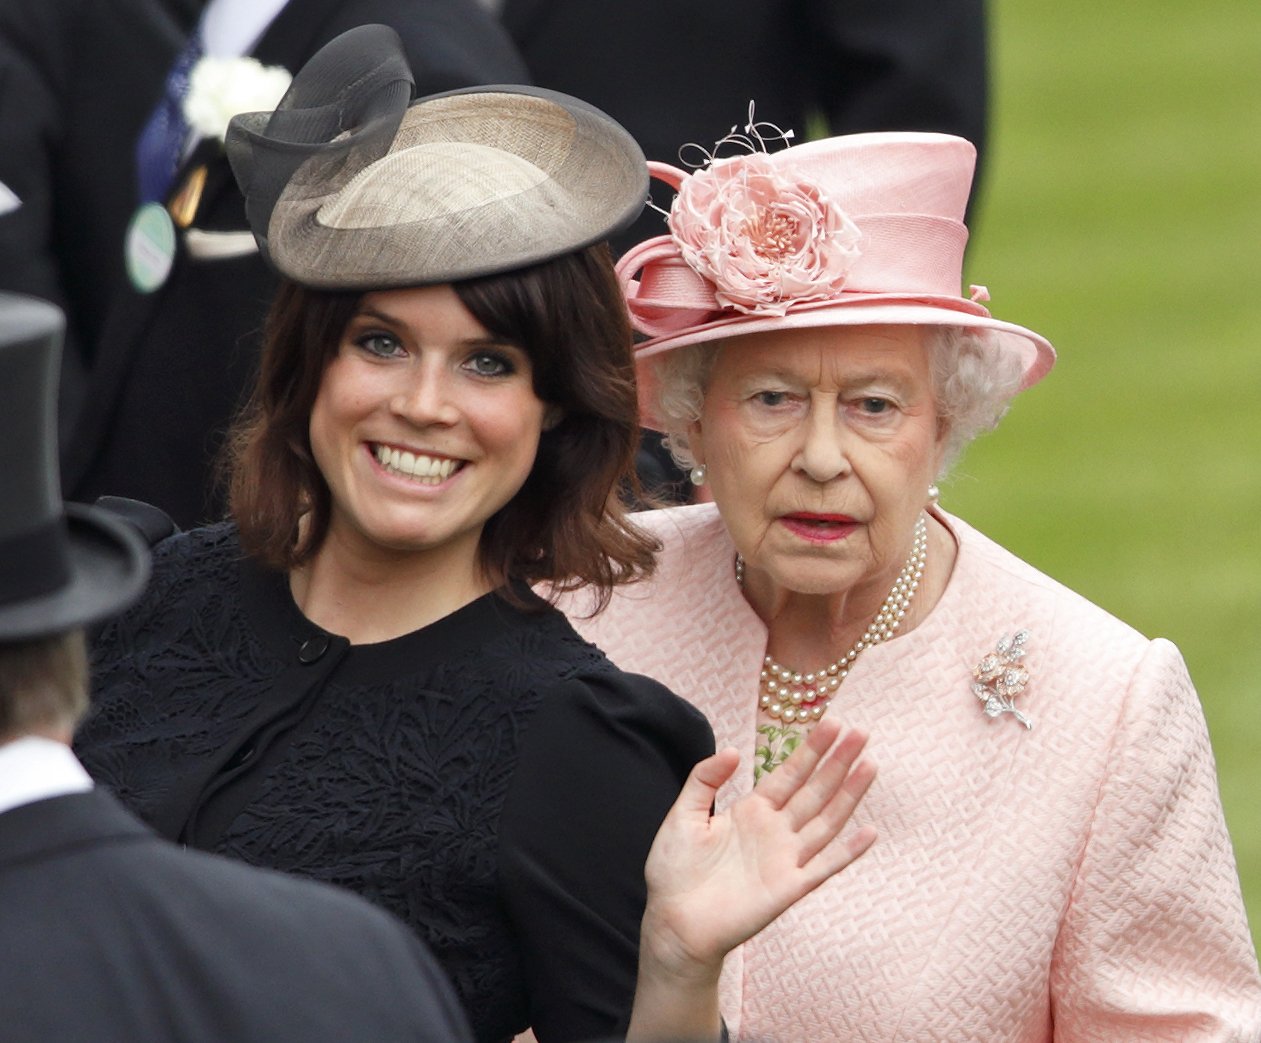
<point>425,424</point>
<point>820,446</point>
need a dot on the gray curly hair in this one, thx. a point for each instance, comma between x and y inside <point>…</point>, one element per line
<point>974,381</point>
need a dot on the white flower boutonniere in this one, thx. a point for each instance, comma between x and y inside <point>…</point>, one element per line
<point>219,88</point>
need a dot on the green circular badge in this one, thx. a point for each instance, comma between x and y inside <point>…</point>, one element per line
<point>150,247</point>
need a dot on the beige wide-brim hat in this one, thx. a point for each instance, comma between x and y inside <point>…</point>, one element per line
<point>350,185</point>
<point>858,230</point>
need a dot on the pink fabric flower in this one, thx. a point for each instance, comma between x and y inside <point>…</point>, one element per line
<point>766,240</point>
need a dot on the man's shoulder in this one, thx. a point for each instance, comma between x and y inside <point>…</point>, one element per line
<point>211,935</point>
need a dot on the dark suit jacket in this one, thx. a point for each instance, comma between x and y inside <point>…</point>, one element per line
<point>78,79</point>
<point>676,73</point>
<point>172,366</point>
<point>110,933</point>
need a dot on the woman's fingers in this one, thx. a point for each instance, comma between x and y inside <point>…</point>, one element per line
<point>820,794</point>
<point>678,859</point>
<point>826,778</point>
<point>703,782</point>
<point>781,785</point>
<point>821,829</point>
<point>716,882</point>
<point>835,856</point>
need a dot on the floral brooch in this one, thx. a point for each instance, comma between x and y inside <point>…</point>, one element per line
<point>1000,677</point>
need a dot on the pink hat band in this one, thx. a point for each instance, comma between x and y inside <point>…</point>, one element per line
<point>920,254</point>
<point>854,230</point>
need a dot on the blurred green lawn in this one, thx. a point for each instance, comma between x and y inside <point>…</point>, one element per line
<point>1120,215</point>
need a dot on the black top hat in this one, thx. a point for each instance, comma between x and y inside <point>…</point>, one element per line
<point>61,566</point>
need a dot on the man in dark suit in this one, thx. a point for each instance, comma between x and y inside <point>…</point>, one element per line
<point>110,933</point>
<point>678,73</point>
<point>172,365</point>
<point>78,78</point>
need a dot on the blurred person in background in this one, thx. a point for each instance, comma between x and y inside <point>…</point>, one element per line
<point>78,79</point>
<point>671,73</point>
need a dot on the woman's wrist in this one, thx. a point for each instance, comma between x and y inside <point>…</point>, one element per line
<point>664,954</point>
<point>676,993</point>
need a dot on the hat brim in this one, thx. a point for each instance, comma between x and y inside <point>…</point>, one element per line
<point>440,208</point>
<point>1035,352</point>
<point>109,567</point>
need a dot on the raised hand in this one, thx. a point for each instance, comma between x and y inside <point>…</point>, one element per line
<point>714,882</point>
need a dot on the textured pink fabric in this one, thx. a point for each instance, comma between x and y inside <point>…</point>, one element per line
<point>1073,882</point>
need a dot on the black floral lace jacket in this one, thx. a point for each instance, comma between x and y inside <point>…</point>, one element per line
<point>491,779</point>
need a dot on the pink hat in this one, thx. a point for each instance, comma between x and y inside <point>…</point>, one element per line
<point>860,230</point>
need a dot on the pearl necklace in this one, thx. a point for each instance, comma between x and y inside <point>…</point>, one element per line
<point>791,696</point>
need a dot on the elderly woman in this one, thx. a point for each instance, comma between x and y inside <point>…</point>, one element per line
<point>1053,862</point>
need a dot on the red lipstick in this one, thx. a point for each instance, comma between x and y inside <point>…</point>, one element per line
<point>818,528</point>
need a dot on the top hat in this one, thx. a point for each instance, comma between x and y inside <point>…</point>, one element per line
<point>62,566</point>
<point>350,185</point>
<point>858,230</point>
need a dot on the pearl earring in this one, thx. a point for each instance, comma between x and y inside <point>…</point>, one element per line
<point>698,474</point>
<point>934,494</point>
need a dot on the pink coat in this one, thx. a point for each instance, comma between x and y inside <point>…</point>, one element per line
<point>1072,882</point>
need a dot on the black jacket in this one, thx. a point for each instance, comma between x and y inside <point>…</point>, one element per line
<point>491,779</point>
<point>78,79</point>
<point>111,934</point>
<point>679,73</point>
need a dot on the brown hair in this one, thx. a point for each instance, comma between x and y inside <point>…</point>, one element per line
<point>567,525</point>
<point>43,684</point>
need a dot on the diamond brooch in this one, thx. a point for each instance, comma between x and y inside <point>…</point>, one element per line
<point>1000,677</point>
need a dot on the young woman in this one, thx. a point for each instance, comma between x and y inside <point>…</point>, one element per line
<point>351,679</point>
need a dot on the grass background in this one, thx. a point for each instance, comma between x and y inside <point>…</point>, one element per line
<point>1120,216</point>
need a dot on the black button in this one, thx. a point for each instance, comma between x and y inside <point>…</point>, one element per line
<point>313,648</point>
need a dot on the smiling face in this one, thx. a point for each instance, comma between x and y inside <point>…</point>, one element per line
<point>820,446</point>
<point>424,426</point>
